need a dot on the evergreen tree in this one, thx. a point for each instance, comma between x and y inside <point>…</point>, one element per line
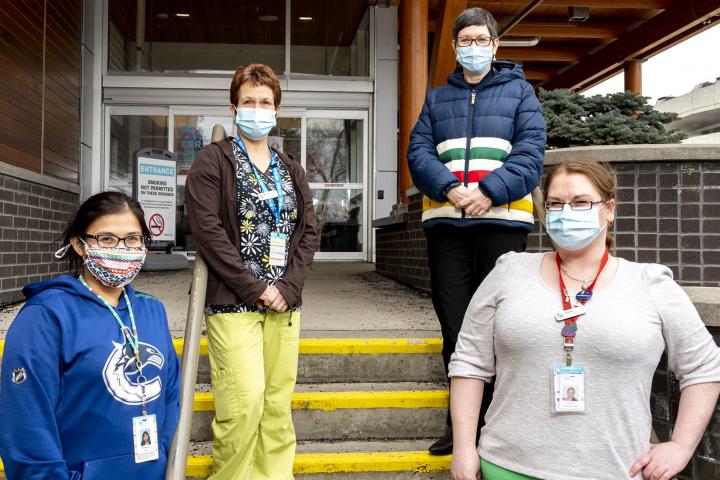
<point>613,119</point>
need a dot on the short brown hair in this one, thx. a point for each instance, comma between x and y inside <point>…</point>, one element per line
<point>475,16</point>
<point>601,175</point>
<point>257,74</point>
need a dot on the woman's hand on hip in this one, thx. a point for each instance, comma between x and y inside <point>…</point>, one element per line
<point>465,464</point>
<point>662,462</point>
<point>475,204</point>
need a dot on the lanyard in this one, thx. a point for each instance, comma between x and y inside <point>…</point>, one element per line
<point>275,208</point>
<point>583,296</point>
<point>130,335</point>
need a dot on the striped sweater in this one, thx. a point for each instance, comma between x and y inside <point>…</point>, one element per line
<point>489,136</point>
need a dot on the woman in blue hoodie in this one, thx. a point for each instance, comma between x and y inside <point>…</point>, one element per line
<point>476,153</point>
<point>89,364</point>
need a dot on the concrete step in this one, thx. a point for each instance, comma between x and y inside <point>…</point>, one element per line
<point>338,412</point>
<point>366,460</point>
<point>357,360</point>
<point>370,460</point>
<point>354,360</point>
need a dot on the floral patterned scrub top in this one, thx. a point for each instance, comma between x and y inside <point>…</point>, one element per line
<point>257,222</point>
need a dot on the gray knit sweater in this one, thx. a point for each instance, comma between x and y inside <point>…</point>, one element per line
<point>509,332</point>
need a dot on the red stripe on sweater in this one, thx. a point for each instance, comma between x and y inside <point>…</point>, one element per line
<point>473,175</point>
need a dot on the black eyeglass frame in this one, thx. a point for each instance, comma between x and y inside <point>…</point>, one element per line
<point>487,41</point>
<point>145,240</point>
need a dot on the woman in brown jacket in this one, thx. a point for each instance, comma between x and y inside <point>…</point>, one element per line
<point>251,212</point>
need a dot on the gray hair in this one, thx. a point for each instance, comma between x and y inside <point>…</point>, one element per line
<point>475,16</point>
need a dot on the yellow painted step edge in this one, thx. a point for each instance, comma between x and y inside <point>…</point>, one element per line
<point>350,346</point>
<point>329,401</point>
<point>306,463</point>
<point>343,346</point>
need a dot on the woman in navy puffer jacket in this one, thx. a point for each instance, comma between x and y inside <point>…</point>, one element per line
<point>476,153</point>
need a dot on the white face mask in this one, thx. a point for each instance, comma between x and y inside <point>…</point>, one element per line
<point>474,59</point>
<point>573,229</point>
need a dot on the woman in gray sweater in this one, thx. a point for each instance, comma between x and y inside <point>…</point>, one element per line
<point>578,320</point>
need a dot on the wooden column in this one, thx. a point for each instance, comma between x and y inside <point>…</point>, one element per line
<point>633,76</point>
<point>413,20</point>
<point>442,61</point>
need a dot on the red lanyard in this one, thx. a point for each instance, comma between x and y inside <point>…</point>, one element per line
<point>570,328</point>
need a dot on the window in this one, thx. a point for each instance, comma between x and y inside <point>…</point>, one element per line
<point>128,134</point>
<point>197,36</point>
<point>327,37</point>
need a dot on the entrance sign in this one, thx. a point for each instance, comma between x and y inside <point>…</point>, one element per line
<point>155,187</point>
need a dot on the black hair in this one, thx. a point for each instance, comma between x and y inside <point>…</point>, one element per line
<point>475,16</point>
<point>99,205</point>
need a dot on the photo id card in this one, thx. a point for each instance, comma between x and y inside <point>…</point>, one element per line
<point>145,438</point>
<point>568,390</point>
<point>278,243</point>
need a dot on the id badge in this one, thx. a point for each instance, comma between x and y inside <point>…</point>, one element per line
<point>278,242</point>
<point>568,390</point>
<point>270,194</point>
<point>145,438</point>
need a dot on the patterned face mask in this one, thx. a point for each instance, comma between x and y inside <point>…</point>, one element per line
<point>114,267</point>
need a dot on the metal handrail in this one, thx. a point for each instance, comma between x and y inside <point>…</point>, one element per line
<point>177,456</point>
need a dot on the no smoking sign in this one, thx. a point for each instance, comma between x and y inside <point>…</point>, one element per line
<point>156,224</point>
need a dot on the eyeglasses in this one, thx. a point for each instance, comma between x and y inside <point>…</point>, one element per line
<point>111,241</point>
<point>555,206</point>
<point>480,41</point>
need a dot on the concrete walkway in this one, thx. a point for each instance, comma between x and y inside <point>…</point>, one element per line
<point>340,299</point>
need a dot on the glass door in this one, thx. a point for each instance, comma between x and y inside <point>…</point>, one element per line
<point>336,163</point>
<point>330,144</point>
<point>190,130</point>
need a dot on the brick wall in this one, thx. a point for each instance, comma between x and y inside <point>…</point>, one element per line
<point>32,218</point>
<point>401,252</point>
<point>664,403</point>
<point>668,212</point>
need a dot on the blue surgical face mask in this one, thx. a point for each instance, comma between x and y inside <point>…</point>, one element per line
<point>474,59</point>
<point>573,229</point>
<point>255,123</point>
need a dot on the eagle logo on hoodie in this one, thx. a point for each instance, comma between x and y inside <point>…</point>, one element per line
<point>121,373</point>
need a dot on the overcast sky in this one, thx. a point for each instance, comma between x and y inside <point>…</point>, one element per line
<point>675,71</point>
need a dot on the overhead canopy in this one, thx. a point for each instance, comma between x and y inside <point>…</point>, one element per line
<point>574,54</point>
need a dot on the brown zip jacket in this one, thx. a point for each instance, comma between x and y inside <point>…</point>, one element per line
<point>211,195</point>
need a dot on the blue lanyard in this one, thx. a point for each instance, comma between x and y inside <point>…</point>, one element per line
<point>131,336</point>
<point>275,208</point>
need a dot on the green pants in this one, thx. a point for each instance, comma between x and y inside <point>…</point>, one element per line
<point>493,472</point>
<point>253,361</point>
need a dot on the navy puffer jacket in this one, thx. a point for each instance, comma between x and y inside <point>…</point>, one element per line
<point>490,136</point>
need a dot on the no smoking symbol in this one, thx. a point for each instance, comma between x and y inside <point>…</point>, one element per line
<point>156,224</point>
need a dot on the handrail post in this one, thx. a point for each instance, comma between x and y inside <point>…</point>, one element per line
<point>177,457</point>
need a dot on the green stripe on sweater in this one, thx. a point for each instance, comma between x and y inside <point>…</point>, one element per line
<point>486,153</point>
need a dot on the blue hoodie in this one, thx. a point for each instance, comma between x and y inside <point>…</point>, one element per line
<point>67,394</point>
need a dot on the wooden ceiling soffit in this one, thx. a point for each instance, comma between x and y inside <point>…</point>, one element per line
<point>539,73</point>
<point>629,4</point>
<point>580,30</point>
<point>541,54</point>
<point>442,62</point>
<point>662,28</point>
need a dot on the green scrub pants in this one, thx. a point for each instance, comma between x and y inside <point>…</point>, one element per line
<point>253,361</point>
<point>493,472</point>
